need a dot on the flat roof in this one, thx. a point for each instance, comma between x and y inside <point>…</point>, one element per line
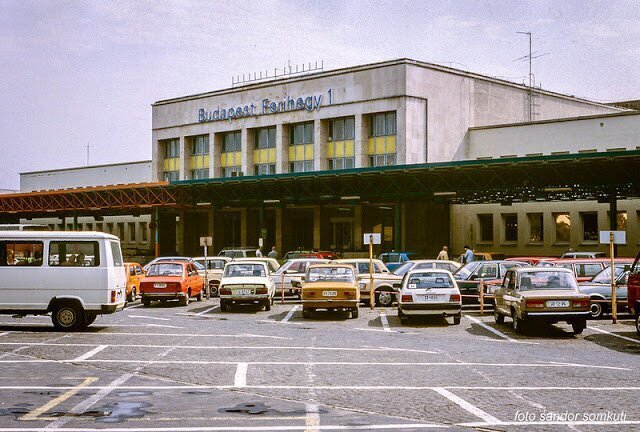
<point>86,167</point>
<point>557,120</point>
<point>376,65</point>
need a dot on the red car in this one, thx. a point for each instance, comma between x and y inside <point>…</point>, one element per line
<point>633,291</point>
<point>586,268</point>
<point>171,280</point>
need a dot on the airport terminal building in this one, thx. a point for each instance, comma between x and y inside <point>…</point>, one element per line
<point>307,161</point>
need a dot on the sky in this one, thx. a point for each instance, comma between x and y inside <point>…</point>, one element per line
<point>85,73</point>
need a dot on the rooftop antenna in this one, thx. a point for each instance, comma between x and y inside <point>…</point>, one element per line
<point>287,71</point>
<point>530,58</point>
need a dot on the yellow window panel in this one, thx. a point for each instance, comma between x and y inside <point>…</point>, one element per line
<point>380,145</point>
<point>171,164</point>
<point>340,149</point>
<point>391,144</point>
<point>223,159</point>
<point>271,155</point>
<point>308,152</point>
<point>331,150</point>
<point>256,156</point>
<point>349,148</point>
<point>371,146</point>
<point>292,153</point>
<point>299,152</point>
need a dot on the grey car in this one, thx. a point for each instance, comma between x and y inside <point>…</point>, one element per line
<point>599,289</point>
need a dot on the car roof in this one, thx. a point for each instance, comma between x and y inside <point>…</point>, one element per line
<point>170,262</point>
<point>331,265</point>
<point>215,257</point>
<point>308,259</point>
<point>248,261</point>
<point>355,260</point>
<point>430,271</point>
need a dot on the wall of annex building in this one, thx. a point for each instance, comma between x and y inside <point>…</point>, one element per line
<point>353,94</point>
<point>100,175</point>
<point>134,232</point>
<point>542,228</point>
<point>452,103</point>
<point>618,132</point>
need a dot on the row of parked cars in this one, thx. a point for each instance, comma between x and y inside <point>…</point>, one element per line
<point>525,289</point>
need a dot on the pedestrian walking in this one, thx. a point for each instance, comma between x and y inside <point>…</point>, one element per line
<point>444,254</point>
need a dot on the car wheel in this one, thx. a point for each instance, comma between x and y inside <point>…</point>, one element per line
<point>223,306</point>
<point>499,318</point>
<point>267,305</point>
<point>517,323</point>
<point>456,319</point>
<point>146,302</point>
<point>638,323</point>
<point>384,298</point>
<point>578,326</point>
<point>199,296</point>
<point>355,312</point>
<point>597,309</point>
<point>67,317</point>
<point>184,300</point>
<point>306,313</point>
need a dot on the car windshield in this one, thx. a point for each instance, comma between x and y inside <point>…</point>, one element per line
<point>550,280</point>
<point>605,275</point>
<point>403,269</point>
<point>390,258</point>
<point>331,274</point>
<point>215,264</point>
<point>244,270</point>
<point>465,271</point>
<point>165,269</point>
<point>428,280</point>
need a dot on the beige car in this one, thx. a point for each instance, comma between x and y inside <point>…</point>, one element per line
<point>331,287</point>
<point>541,294</point>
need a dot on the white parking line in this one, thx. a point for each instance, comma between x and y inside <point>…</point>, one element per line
<point>491,329</point>
<point>182,335</point>
<point>241,375</point>
<point>90,354</point>
<point>163,325</point>
<point>467,406</point>
<point>385,322</point>
<point>290,314</point>
<point>312,419</point>
<point>292,363</point>
<point>375,330</point>
<point>206,310</point>
<point>38,412</point>
<point>149,317</point>
<point>135,306</point>
<point>90,401</point>
<point>4,333</point>
<point>614,334</point>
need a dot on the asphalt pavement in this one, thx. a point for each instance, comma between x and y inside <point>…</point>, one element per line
<point>195,368</point>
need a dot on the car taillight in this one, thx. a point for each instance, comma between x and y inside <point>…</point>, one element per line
<point>310,293</point>
<point>407,298</point>
<point>262,290</point>
<point>225,291</point>
<point>581,303</point>
<point>454,298</point>
<point>535,303</point>
<point>113,296</point>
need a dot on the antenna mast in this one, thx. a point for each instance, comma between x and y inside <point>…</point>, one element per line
<point>530,57</point>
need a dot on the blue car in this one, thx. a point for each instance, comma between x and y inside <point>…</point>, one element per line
<point>394,259</point>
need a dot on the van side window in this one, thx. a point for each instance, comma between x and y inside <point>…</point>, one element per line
<point>74,254</point>
<point>21,253</point>
<point>116,253</point>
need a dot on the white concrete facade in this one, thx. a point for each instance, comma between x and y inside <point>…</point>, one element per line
<point>96,175</point>
<point>434,106</point>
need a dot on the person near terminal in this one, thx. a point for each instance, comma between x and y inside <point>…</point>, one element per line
<point>444,254</point>
<point>468,255</point>
<point>258,252</point>
<point>274,253</point>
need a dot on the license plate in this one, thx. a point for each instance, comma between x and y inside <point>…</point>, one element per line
<point>329,293</point>
<point>558,303</point>
<point>159,285</point>
<point>244,292</point>
<point>431,297</point>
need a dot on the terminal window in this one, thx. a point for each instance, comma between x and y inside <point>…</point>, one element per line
<point>485,221</point>
<point>563,227</point>
<point>340,143</point>
<point>201,173</point>
<point>170,176</point>
<point>265,138</point>
<point>171,148</point>
<point>536,227</point>
<point>199,145</point>
<point>510,227</point>
<point>382,139</point>
<point>589,226</point>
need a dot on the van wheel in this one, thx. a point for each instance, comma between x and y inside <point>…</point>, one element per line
<point>68,317</point>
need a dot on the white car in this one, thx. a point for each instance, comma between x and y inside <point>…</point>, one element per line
<point>383,280</point>
<point>429,292</point>
<point>452,266</point>
<point>272,263</point>
<point>293,269</point>
<point>215,267</point>
<point>246,282</point>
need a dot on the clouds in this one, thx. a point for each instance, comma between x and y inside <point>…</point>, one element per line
<point>78,72</point>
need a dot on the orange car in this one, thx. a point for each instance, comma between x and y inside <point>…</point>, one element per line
<point>171,280</point>
<point>135,274</point>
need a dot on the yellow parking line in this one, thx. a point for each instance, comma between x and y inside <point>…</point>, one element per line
<point>36,413</point>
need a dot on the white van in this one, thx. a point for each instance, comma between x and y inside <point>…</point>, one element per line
<point>75,276</point>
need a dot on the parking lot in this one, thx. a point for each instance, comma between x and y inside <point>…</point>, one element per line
<point>195,368</point>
